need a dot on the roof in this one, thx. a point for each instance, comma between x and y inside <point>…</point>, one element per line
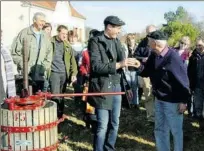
<point>51,6</point>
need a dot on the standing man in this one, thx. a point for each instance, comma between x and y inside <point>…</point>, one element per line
<point>142,53</point>
<point>170,84</point>
<point>38,45</point>
<point>63,65</point>
<point>106,58</point>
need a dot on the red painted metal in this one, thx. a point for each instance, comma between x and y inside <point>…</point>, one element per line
<point>49,148</point>
<point>33,102</point>
<point>27,129</point>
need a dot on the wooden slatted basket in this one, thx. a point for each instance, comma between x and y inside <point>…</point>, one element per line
<point>29,130</point>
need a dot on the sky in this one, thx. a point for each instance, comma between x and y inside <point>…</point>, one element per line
<point>136,14</point>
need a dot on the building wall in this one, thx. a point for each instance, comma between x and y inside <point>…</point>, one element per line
<point>15,17</point>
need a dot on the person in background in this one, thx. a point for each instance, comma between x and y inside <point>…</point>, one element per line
<point>48,29</point>
<point>84,70</point>
<point>63,66</point>
<point>7,74</point>
<point>184,52</point>
<point>196,77</point>
<point>131,72</point>
<point>142,53</point>
<point>184,49</point>
<point>38,44</point>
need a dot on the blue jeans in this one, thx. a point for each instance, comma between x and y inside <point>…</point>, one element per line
<point>132,79</point>
<point>168,118</point>
<point>199,101</point>
<point>108,124</point>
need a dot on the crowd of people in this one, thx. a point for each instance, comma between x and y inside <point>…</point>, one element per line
<point>170,78</point>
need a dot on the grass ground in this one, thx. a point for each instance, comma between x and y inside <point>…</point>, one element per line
<point>135,133</point>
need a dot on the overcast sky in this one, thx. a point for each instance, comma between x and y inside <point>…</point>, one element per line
<point>136,14</point>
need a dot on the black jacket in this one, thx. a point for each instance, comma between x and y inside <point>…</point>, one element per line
<point>193,69</point>
<point>102,67</point>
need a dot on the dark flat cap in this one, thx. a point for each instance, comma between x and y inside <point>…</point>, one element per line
<point>158,35</point>
<point>114,20</point>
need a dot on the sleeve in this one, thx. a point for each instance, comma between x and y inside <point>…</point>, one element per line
<point>16,51</point>
<point>48,56</point>
<point>192,72</point>
<point>73,65</point>
<point>180,77</point>
<point>145,69</point>
<point>96,64</point>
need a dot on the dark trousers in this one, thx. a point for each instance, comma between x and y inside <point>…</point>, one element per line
<point>57,81</point>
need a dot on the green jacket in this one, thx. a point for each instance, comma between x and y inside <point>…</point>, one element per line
<point>38,65</point>
<point>69,59</point>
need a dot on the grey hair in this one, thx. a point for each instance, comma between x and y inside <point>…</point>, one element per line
<point>38,14</point>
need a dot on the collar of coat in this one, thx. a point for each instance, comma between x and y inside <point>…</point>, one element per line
<point>66,43</point>
<point>102,40</point>
<point>30,31</point>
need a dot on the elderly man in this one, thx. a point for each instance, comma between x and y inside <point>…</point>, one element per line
<point>63,65</point>
<point>170,84</point>
<point>38,46</point>
<point>107,59</point>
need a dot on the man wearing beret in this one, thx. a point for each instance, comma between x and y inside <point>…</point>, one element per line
<point>106,63</point>
<point>170,84</point>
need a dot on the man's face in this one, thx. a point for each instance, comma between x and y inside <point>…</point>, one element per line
<point>40,22</point>
<point>200,45</point>
<point>63,34</point>
<point>113,30</point>
<point>152,44</point>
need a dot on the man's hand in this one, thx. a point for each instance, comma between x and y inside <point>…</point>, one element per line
<point>73,79</point>
<point>182,107</point>
<point>133,62</point>
<point>121,64</point>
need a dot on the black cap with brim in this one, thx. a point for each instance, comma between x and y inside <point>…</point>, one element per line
<point>114,20</point>
<point>158,35</point>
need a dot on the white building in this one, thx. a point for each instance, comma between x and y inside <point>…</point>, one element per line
<point>16,15</point>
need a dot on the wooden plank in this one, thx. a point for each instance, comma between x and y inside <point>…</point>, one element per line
<point>1,118</point>
<point>10,123</point>
<point>42,122</point>
<point>47,132</point>
<point>52,129</point>
<point>16,123</point>
<point>36,138</point>
<point>29,123</point>
<point>55,118</point>
<point>5,134</point>
<point>23,124</point>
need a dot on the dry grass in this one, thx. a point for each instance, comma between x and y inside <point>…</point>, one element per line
<point>135,133</point>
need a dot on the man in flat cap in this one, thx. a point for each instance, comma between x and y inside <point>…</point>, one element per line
<point>170,84</point>
<point>106,63</point>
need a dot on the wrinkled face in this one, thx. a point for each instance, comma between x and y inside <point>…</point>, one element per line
<point>200,45</point>
<point>63,34</point>
<point>48,30</point>
<point>113,31</point>
<point>39,22</point>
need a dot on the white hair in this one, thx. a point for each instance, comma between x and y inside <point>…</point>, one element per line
<point>36,15</point>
